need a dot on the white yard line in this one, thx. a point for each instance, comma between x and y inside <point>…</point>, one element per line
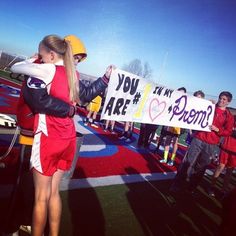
<point>68,184</point>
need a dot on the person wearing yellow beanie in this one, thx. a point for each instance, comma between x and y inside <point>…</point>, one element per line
<point>78,48</point>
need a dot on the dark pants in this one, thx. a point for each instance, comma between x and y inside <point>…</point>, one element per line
<point>145,133</point>
<point>22,198</point>
<point>197,159</point>
<point>162,137</point>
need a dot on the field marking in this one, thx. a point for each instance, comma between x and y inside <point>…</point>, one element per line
<point>69,184</point>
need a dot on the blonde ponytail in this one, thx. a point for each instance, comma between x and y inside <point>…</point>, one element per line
<point>71,73</point>
<point>63,48</point>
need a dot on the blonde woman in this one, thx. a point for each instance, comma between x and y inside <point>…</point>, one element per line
<point>42,99</point>
<point>54,137</point>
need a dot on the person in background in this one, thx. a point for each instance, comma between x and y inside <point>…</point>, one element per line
<point>172,136</point>
<point>227,159</point>
<point>198,94</point>
<point>109,125</point>
<point>93,109</point>
<point>128,131</point>
<point>146,133</point>
<point>190,133</point>
<point>161,140</point>
<point>203,145</point>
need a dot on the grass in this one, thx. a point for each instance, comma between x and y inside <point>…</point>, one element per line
<point>135,209</point>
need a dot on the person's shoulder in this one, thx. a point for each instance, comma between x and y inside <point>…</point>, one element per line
<point>44,72</point>
<point>47,65</point>
<point>229,111</point>
<point>229,114</point>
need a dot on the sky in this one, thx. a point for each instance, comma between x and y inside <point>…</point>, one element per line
<point>190,43</point>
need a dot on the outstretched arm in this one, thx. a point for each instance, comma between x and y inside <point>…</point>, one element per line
<point>36,95</point>
<point>87,94</point>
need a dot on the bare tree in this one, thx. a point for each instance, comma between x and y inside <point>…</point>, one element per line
<point>136,67</point>
<point>147,71</point>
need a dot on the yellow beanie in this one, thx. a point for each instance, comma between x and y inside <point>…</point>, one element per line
<point>77,46</point>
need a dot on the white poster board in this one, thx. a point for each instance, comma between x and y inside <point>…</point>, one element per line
<point>132,98</point>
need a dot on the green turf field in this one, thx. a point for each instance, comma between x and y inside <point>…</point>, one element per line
<point>145,208</point>
<point>137,209</point>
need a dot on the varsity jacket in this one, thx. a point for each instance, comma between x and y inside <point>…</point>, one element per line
<point>40,101</point>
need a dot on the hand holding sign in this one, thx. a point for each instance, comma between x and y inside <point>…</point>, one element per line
<point>109,71</point>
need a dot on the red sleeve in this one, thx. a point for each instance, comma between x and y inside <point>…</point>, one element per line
<point>25,117</point>
<point>228,127</point>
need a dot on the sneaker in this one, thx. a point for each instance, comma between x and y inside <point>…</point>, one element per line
<point>94,125</point>
<point>112,131</point>
<point>163,161</point>
<point>122,137</point>
<point>170,163</point>
<point>12,234</point>
<point>105,129</point>
<point>26,228</point>
<point>86,121</point>
<point>127,140</point>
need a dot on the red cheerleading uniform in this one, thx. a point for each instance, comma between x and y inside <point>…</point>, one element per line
<point>25,117</point>
<point>46,103</point>
<point>54,140</point>
<point>47,92</point>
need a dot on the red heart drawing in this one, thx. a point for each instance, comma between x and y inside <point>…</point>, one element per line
<point>156,108</point>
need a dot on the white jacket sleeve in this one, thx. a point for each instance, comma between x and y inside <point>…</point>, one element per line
<point>44,72</point>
